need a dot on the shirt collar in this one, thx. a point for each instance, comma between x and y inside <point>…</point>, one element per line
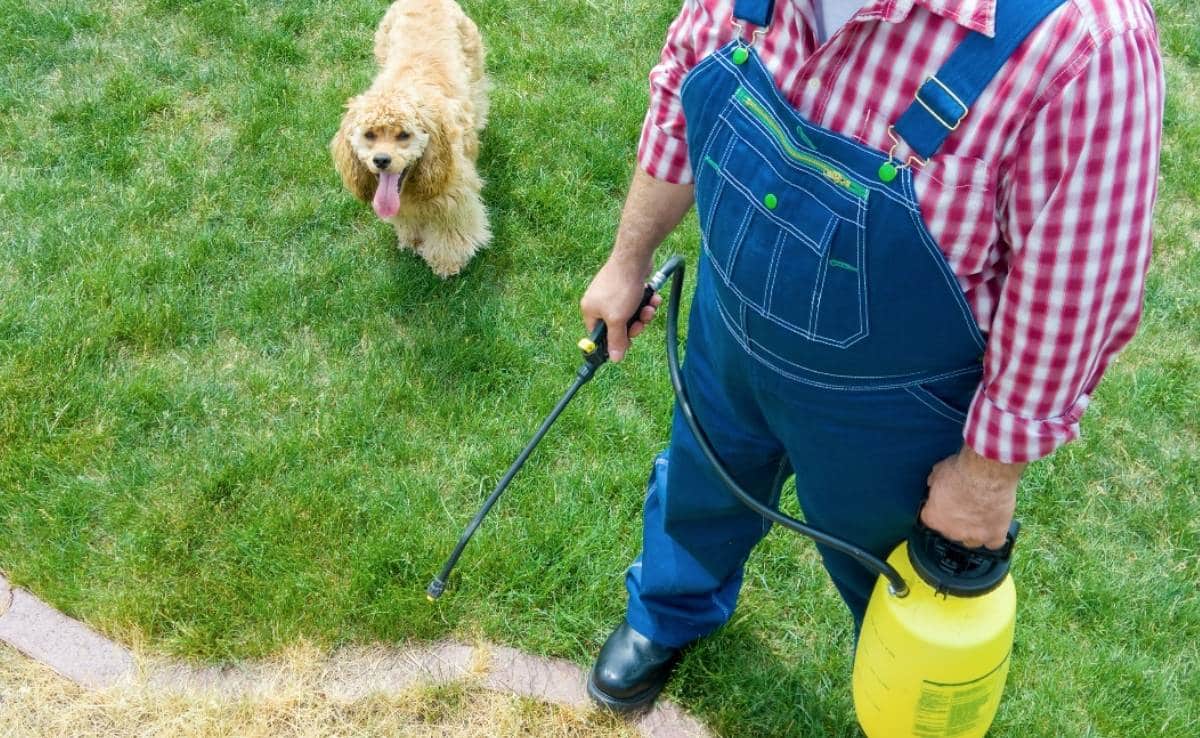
<point>976,15</point>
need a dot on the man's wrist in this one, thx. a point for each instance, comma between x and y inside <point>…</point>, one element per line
<point>989,470</point>
<point>635,261</point>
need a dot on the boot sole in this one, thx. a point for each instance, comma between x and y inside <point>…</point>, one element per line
<point>640,702</point>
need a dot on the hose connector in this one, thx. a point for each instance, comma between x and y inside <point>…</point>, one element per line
<point>660,277</point>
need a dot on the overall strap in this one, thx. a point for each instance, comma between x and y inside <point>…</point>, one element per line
<point>946,98</point>
<point>756,12</point>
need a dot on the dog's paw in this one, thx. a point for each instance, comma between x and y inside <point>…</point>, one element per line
<point>447,254</point>
<point>446,265</point>
<point>408,237</point>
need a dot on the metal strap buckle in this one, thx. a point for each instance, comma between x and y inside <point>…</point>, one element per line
<point>912,158</point>
<point>937,116</point>
<point>758,34</point>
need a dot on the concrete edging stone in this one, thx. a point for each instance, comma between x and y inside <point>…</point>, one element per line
<point>92,661</point>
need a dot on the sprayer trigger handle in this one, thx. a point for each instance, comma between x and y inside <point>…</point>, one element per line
<point>598,340</point>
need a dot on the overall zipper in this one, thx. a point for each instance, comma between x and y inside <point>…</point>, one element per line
<point>834,175</point>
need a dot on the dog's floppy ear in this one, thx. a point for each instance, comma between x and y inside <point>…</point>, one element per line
<point>358,179</point>
<point>438,165</point>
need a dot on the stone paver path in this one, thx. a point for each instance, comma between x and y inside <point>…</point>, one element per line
<point>89,659</point>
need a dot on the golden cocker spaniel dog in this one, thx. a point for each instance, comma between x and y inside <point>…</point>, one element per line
<point>408,144</point>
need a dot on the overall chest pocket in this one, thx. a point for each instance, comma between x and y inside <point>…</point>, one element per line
<point>783,227</point>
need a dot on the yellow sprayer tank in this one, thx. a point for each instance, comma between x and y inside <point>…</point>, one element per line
<point>932,664</point>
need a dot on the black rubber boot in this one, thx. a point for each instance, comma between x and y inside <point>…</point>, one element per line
<point>630,671</point>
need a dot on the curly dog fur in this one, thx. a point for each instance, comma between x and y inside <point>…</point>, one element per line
<point>408,144</point>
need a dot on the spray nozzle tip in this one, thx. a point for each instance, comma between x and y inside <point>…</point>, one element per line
<point>435,589</point>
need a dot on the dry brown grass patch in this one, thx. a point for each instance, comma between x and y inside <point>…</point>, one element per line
<point>36,702</point>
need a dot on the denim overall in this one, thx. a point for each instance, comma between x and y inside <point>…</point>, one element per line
<point>828,336</point>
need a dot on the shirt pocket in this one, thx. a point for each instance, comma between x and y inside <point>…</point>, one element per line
<point>957,196</point>
<point>782,226</point>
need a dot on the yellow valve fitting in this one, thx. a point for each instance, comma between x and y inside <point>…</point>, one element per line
<point>587,345</point>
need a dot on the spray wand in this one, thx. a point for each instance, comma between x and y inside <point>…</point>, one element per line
<point>595,353</point>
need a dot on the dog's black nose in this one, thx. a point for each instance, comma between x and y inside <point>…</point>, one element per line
<point>383,161</point>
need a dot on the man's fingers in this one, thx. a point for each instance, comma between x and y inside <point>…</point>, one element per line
<point>937,517</point>
<point>589,313</point>
<point>928,518</point>
<point>644,317</point>
<point>618,340</point>
<point>998,543</point>
<point>969,533</point>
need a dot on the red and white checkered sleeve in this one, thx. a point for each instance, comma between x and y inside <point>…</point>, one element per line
<point>1079,220</point>
<point>662,151</point>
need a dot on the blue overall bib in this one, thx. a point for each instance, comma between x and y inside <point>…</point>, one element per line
<point>828,336</point>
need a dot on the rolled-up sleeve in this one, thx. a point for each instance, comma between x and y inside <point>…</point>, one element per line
<point>1078,216</point>
<point>662,151</point>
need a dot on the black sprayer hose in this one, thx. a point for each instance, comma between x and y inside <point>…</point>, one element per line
<point>438,585</point>
<point>898,586</point>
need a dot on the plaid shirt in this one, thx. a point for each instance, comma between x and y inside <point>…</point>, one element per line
<point>1042,200</point>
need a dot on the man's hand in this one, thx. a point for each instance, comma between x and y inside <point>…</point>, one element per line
<point>612,297</point>
<point>652,209</point>
<point>972,499</point>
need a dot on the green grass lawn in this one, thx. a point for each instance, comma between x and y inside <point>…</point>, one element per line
<point>233,416</point>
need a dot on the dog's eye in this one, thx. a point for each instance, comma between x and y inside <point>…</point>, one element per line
<point>403,136</point>
<point>369,135</point>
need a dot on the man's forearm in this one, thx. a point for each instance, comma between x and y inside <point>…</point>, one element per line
<point>652,210</point>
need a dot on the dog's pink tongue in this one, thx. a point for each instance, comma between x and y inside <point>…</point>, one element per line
<point>387,195</point>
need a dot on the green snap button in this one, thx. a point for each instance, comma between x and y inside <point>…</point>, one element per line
<point>771,201</point>
<point>888,171</point>
<point>740,55</point>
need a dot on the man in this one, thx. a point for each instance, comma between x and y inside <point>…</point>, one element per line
<point>926,226</point>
